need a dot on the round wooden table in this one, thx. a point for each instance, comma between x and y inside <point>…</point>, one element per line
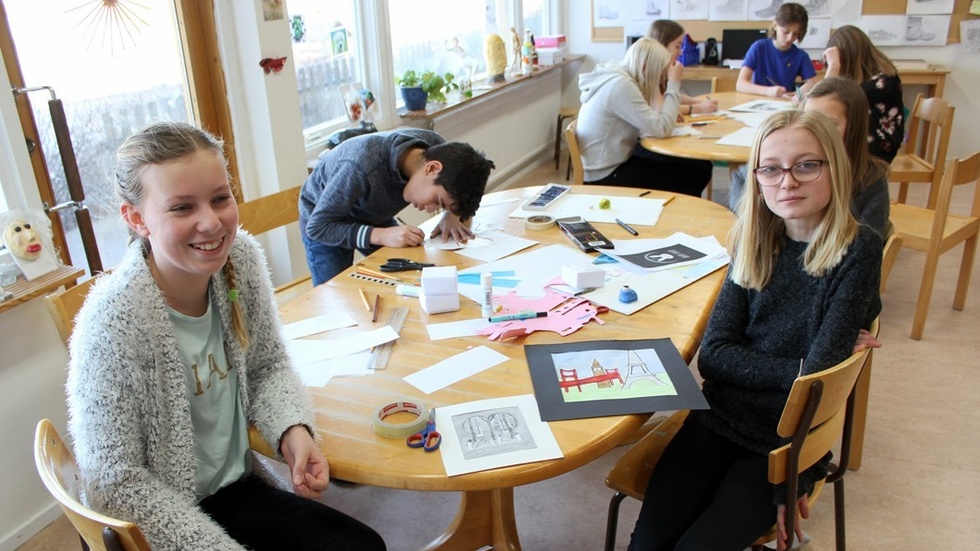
<point>691,147</point>
<point>486,515</point>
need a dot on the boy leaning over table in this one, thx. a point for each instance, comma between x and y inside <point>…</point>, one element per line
<point>351,198</point>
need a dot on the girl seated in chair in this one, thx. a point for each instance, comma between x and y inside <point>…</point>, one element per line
<point>175,352</point>
<point>801,291</point>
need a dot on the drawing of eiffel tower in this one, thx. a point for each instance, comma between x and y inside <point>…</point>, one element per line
<point>636,370</point>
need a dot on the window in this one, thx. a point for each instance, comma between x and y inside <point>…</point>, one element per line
<point>534,17</point>
<point>453,45</point>
<point>114,72</point>
<point>325,56</point>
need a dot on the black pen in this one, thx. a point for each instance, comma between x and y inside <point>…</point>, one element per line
<point>626,227</point>
<point>400,221</point>
<point>645,193</point>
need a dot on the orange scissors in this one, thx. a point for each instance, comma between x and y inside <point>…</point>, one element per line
<point>429,439</point>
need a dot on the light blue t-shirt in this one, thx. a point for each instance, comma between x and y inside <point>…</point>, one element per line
<point>767,61</point>
<point>220,432</point>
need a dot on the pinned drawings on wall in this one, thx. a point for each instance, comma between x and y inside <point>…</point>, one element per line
<point>929,7</point>
<point>603,378</point>
<point>272,10</point>
<point>970,35</point>
<point>27,235</point>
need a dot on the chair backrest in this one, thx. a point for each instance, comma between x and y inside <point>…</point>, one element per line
<point>958,172</point>
<point>932,124</point>
<point>893,244</point>
<point>721,84</point>
<point>814,416</point>
<point>575,153</point>
<point>270,212</point>
<point>59,473</point>
<point>64,305</point>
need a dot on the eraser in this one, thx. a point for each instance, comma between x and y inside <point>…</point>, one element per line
<point>583,276</point>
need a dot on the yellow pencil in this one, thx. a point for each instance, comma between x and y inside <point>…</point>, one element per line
<point>367,305</point>
<point>365,271</point>
<point>669,199</point>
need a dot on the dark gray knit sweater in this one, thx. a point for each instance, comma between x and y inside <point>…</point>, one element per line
<point>755,340</point>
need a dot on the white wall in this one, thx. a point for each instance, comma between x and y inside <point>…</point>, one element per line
<point>965,73</point>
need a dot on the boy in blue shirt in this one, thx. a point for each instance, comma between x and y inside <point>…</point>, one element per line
<point>772,64</point>
<point>351,198</point>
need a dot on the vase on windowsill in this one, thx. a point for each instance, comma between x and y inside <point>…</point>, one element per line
<point>415,98</point>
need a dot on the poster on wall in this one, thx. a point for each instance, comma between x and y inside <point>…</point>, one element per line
<point>926,30</point>
<point>884,30</point>
<point>929,7</point>
<point>728,10</point>
<point>817,34</point>
<point>970,35</point>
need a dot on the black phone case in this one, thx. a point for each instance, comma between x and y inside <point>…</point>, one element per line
<point>583,234</point>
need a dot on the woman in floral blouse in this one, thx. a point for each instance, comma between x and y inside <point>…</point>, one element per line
<point>850,53</point>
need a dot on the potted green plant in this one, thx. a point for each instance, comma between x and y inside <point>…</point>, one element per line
<point>418,88</point>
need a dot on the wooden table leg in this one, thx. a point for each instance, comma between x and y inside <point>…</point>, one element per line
<point>484,518</point>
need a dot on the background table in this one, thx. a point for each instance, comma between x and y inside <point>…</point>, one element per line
<point>486,515</point>
<point>690,147</point>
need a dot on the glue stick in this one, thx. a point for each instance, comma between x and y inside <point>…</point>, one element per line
<point>486,283</point>
<point>407,290</point>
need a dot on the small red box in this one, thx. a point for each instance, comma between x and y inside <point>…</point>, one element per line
<point>556,41</point>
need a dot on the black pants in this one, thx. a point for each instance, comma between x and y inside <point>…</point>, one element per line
<point>646,169</point>
<point>705,493</point>
<point>261,517</point>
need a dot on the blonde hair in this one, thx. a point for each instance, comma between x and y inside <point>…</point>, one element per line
<point>757,233</point>
<point>859,58</point>
<point>159,143</point>
<point>645,62</point>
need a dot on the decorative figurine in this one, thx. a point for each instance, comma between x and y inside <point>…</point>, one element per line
<point>515,41</point>
<point>27,234</point>
<point>495,54</point>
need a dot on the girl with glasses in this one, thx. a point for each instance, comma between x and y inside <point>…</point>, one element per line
<point>801,291</point>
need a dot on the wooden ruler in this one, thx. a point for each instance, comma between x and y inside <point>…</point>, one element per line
<point>381,353</point>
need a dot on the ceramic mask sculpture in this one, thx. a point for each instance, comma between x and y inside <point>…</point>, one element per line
<point>495,53</point>
<point>22,240</point>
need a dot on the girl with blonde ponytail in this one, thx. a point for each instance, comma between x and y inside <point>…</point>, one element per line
<point>176,352</point>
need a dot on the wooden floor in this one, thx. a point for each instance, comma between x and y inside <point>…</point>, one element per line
<point>919,487</point>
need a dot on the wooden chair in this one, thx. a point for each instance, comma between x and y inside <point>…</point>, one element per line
<point>818,412</point>
<point>574,155</point>
<point>936,231</point>
<point>931,122</point>
<point>720,84</point>
<point>564,113</point>
<point>893,244</point>
<point>59,473</point>
<point>270,212</point>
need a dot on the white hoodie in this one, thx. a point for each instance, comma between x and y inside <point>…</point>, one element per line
<point>614,116</point>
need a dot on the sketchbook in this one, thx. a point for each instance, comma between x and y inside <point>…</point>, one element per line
<point>602,378</point>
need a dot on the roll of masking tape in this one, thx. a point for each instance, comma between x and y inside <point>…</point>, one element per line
<point>539,222</point>
<point>400,430</point>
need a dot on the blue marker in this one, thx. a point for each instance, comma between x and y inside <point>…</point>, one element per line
<point>526,314</point>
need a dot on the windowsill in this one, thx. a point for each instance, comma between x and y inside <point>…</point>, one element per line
<point>24,290</point>
<point>433,110</point>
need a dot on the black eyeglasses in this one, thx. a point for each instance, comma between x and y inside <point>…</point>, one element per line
<point>803,172</point>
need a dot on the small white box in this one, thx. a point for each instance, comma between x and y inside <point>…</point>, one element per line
<point>583,276</point>
<point>437,304</point>
<point>439,280</point>
<point>550,56</point>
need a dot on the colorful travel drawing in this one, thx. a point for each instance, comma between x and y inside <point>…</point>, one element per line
<point>576,380</point>
<point>611,375</point>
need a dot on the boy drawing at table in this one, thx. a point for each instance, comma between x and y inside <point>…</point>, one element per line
<point>772,64</point>
<point>351,198</point>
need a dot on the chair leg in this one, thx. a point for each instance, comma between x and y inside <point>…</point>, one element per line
<point>85,546</point>
<point>568,169</point>
<point>966,269</point>
<point>925,294</point>
<point>839,523</point>
<point>558,142</point>
<point>612,520</point>
<point>903,192</point>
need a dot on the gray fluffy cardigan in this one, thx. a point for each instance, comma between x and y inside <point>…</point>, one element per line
<point>129,414</point>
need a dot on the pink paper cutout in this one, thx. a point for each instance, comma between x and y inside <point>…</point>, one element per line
<point>566,315</point>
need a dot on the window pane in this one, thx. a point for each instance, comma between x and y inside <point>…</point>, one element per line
<point>533,16</point>
<point>116,67</point>
<point>324,54</point>
<point>419,44</point>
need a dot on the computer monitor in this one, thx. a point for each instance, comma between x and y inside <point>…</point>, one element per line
<point>735,43</point>
<point>630,39</point>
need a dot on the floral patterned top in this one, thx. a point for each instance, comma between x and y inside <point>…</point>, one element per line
<point>886,128</point>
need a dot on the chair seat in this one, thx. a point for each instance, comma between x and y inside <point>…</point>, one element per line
<point>914,225</point>
<point>911,168</point>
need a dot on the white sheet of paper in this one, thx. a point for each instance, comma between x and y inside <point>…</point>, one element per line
<point>314,350</point>
<point>318,324</point>
<point>742,137</point>
<point>318,374</point>
<point>494,245</point>
<point>532,269</point>
<point>752,120</point>
<point>635,211</point>
<point>763,106</point>
<point>453,329</point>
<point>455,369</point>
<point>521,438</point>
